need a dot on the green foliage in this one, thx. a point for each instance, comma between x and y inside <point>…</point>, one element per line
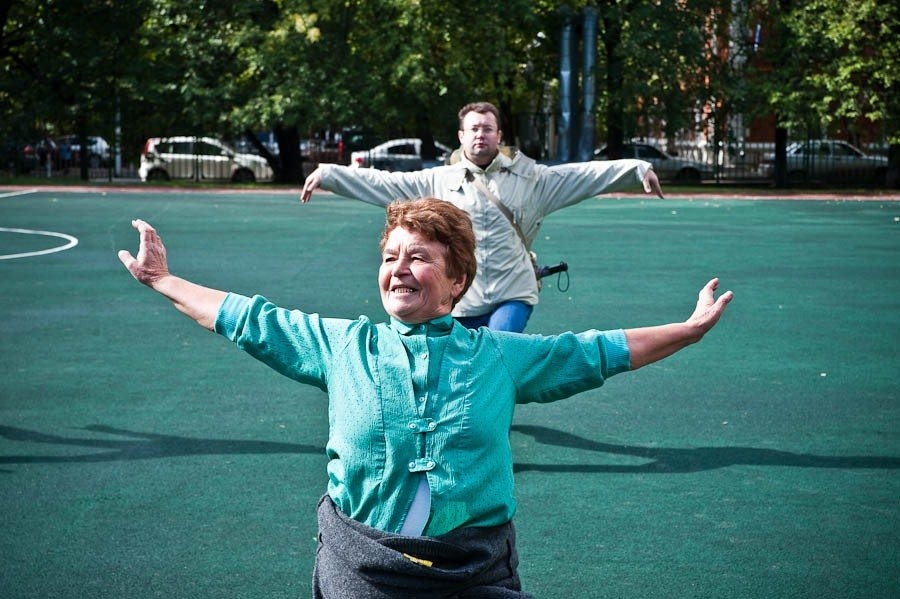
<point>831,65</point>
<point>62,60</point>
<point>406,66</point>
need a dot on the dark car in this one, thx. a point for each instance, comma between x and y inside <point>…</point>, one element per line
<point>40,155</point>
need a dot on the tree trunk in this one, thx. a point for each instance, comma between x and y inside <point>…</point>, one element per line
<point>893,172</point>
<point>615,112</point>
<point>781,175</point>
<point>289,159</point>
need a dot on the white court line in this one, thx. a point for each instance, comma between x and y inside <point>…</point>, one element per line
<point>21,192</point>
<point>72,242</point>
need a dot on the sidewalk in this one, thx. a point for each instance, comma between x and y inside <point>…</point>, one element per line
<point>712,191</point>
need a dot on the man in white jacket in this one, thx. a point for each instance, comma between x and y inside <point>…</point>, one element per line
<point>507,196</point>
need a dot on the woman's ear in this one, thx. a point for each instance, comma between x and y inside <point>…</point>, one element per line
<point>459,283</point>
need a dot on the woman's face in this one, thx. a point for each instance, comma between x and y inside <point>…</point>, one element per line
<point>413,278</point>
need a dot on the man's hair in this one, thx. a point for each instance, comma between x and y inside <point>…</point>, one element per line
<point>480,108</point>
<point>437,220</point>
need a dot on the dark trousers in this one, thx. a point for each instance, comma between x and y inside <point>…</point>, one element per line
<point>508,316</point>
<point>356,561</point>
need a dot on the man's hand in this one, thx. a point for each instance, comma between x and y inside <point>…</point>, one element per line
<point>311,184</point>
<point>651,184</point>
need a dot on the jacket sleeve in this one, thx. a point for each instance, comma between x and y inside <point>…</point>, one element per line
<point>298,345</point>
<point>567,184</point>
<point>551,368</point>
<point>375,186</point>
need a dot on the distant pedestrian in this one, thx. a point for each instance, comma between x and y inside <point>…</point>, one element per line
<point>65,154</point>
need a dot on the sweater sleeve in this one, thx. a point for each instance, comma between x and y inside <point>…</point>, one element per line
<point>291,342</point>
<point>548,368</point>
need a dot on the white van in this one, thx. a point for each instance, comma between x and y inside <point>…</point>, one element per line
<point>200,159</point>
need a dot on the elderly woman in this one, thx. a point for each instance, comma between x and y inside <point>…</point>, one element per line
<point>420,494</point>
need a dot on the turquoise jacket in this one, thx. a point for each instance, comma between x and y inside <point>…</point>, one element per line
<point>435,398</point>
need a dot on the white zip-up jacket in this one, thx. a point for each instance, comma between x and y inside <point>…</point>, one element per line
<point>528,189</point>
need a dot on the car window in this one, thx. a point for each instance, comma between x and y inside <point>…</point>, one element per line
<point>179,147</point>
<point>649,152</point>
<point>845,150</point>
<point>207,149</point>
<point>402,149</point>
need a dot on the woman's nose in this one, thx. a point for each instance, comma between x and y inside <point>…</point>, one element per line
<point>400,265</point>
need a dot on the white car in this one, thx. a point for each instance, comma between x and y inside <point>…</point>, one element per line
<point>828,159</point>
<point>399,155</point>
<point>200,159</point>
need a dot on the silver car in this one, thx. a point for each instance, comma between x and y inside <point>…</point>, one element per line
<point>399,155</point>
<point>200,159</point>
<point>666,166</point>
<point>828,159</point>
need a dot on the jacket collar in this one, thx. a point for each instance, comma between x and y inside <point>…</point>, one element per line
<point>509,159</point>
<point>433,328</point>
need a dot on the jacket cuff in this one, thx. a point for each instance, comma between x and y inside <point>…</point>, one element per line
<point>230,315</point>
<point>618,356</point>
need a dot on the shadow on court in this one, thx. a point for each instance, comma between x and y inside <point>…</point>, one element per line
<point>662,460</point>
<point>140,446</point>
<point>665,460</point>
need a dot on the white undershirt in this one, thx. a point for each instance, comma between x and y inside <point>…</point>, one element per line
<point>417,517</point>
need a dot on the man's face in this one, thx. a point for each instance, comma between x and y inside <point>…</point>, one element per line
<point>480,137</point>
<point>413,278</point>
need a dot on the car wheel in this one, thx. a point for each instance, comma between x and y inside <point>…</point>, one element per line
<point>94,161</point>
<point>157,174</point>
<point>688,175</point>
<point>243,176</point>
<point>881,176</point>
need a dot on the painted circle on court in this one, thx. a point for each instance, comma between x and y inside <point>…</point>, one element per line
<point>70,242</point>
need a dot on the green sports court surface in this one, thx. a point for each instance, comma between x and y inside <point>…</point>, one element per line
<point>141,456</point>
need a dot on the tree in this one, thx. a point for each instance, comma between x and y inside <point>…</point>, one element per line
<point>63,62</point>
<point>827,66</point>
<point>859,85</point>
<point>661,65</point>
